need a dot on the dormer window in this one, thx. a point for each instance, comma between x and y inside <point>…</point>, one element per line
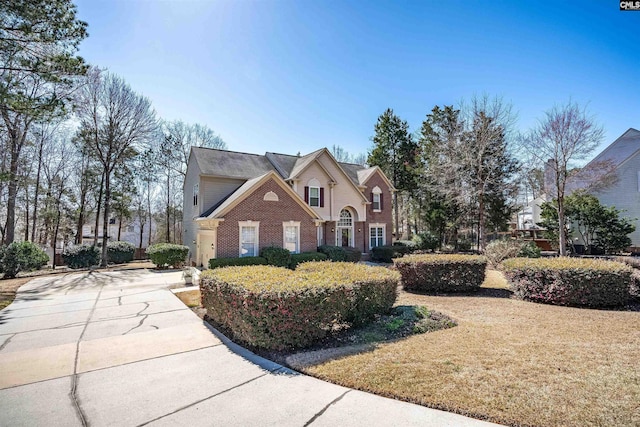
<point>314,194</point>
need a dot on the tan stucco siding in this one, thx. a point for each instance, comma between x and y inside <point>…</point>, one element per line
<point>315,172</point>
<point>344,192</point>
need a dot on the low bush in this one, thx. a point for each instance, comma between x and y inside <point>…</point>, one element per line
<point>21,256</point>
<point>387,253</point>
<point>226,262</point>
<point>529,250</point>
<point>426,241</point>
<point>441,273</point>
<point>499,250</point>
<point>276,308</point>
<point>81,256</point>
<point>335,253</point>
<point>276,256</point>
<point>164,255</point>
<point>297,259</point>
<point>406,243</point>
<point>352,254</point>
<point>570,281</point>
<point>120,252</point>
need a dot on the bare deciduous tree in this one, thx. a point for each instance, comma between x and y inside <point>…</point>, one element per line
<point>115,123</point>
<point>567,134</point>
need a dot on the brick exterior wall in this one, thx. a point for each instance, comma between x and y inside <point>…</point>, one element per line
<point>271,216</point>
<point>386,216</point>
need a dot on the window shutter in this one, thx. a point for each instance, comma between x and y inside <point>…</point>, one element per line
<point>380,201</point>
<point>322,197</point>
<point>306,194</point>
<point>371,198</point>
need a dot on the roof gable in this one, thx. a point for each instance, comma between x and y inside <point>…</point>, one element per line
<point>248,188</point>
<point>621,149</point>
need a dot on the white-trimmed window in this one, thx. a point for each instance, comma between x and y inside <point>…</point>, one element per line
<point>376,235</point>
<point>291,236</point>
<point>196,190</point>
<point>376,199</point>
<point>249,238</point>
<point>314,197</point>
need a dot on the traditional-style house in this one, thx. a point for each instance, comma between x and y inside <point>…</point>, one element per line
<point>235,204</point>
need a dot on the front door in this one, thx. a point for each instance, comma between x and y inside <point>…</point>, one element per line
<point>206,249</point>
<point>345,234</point>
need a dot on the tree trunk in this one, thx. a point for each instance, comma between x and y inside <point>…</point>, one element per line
<point>149,211</point>
<point>562,237</point>
<point>98,207</point>
<point>482,238</point>
<point>141,234</point>
<point>36,195</point>
<point>168,212</point>
<point>105,222</point>
<point>10,224</point>
<point>396,217</point>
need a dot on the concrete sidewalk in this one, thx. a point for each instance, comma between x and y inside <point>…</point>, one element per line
<point>119,349</point>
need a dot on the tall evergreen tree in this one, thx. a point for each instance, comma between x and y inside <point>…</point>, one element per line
<point>38,42</point>
<point>396,153</point>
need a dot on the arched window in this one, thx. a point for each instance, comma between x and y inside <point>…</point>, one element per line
<point>346,219</point>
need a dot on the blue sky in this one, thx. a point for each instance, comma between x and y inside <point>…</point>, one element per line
<point>289,76</point>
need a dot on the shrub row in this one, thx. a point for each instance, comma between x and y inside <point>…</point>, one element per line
<point>275,308</point>
<point>164,255</point>
<point>236,262</point>
<point>21,256</point>
<point>341,253</point>
<point>441,273</point>
<point>294,260</point>
<point>570,281</point>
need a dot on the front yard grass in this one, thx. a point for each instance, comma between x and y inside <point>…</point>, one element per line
<point>508,361</point>
<point>8,288</point>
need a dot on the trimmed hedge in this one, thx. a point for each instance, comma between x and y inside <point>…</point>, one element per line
<point>120,252</point>
<point>352,254</point>
<point>341,253</point>
<point>21,256</point>
<point>164,255</point>
<point>441,273</point>
<point>570,281</point>
<point>297,259</point>
<point>276,256</point>
<point>373,290</point>
<point>226,262</point>
<point>335,253</point>
<point>387,253</point>
<point>81,256</point>
<point>276,308</point>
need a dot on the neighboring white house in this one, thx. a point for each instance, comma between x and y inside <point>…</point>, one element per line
<point>623,155</point>
<point>130,231</point>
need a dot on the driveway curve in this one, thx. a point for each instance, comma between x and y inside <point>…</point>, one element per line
<point>118,348</point>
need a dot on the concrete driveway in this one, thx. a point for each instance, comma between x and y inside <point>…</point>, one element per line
<point>119,349</point>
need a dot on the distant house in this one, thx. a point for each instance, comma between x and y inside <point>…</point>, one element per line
<point>235,204</point>
<point>129,231</point>
<point>623,155</point>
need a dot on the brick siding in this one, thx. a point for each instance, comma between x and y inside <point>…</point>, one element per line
<point>271,216</point>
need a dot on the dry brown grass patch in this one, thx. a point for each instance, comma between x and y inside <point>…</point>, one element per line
<point>509,361</point>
